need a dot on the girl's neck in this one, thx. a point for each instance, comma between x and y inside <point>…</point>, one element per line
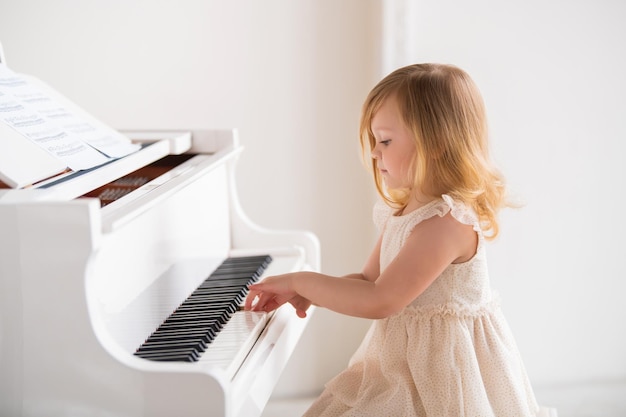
<point>415,202</point>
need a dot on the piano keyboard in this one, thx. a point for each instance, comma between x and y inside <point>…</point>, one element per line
<point>191,328</point>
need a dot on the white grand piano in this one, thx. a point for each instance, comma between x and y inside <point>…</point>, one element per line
<point>120,285</point>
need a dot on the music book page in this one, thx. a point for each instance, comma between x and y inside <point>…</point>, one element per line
<point>56,125</point>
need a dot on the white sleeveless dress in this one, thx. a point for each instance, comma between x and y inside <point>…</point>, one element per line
<point>449,353</point>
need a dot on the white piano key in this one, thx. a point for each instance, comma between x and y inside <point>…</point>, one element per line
<point>234,341</point>
<point>229,349</point>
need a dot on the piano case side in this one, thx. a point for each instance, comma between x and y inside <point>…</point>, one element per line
<point>55,352</point>
<point>67,267</point>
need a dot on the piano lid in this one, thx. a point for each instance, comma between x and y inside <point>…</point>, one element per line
<point>43,134</point>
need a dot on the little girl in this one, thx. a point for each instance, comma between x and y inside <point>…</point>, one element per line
<point>440,345</point>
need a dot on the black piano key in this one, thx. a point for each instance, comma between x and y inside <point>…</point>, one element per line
<point>190,346</point>
<point>162,345</point>
<point>180,349</point>
<point>171,356</point>
<point>176,336</point>
<point>182,337</point>
<point>206,299</point>
<point>209,298</point>
<point>197,318</point>
<point>202,305</point>
<point>174,346</point>
<point>185,334</point>
<point>197,324</point>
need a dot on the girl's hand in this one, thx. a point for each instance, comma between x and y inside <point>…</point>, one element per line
<point>273,292</point>
<point>301,305</point>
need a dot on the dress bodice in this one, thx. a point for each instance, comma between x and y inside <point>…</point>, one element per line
<point>463,284</point>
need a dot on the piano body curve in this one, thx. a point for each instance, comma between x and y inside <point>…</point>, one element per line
<point>82,284</point>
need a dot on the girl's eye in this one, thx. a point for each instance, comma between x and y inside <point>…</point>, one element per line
<point>385,142</point>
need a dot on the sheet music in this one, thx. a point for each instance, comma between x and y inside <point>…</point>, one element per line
<point>81,142</point>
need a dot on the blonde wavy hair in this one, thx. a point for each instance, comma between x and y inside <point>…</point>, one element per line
<point>444,110</point>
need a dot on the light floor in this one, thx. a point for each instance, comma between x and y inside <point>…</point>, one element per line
<point>591,400</point>
<point>287,408</point>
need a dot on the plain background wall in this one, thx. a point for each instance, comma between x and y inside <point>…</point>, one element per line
<point>292,76</point>
<point>552,75</point>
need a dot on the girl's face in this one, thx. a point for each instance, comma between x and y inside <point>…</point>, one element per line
<point>394,148</point>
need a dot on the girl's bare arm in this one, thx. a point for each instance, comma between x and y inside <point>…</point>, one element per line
<point>430,248</point>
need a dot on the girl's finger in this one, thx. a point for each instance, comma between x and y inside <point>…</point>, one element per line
<point>254,291</point>
<point>263,302</point>
<point>249,301</point>
<point>250,298</point>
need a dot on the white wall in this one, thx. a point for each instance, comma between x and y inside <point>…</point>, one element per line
<point>292,76</point>
<point>552,75</point>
